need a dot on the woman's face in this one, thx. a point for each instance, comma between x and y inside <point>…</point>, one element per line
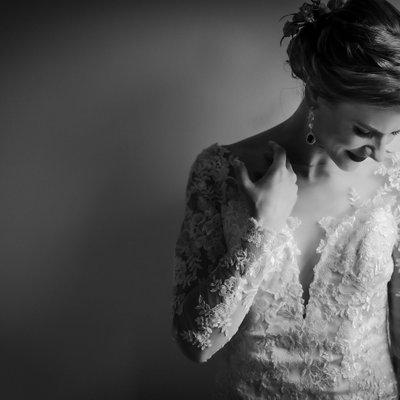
<point>352,132</point>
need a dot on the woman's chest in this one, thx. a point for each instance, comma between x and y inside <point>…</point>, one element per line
<point>313,205</point>
<point>317,203</point>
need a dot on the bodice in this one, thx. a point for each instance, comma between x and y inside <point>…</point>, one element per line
<point>334,347</point>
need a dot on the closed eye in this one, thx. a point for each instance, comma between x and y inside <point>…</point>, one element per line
<point>360,132</point>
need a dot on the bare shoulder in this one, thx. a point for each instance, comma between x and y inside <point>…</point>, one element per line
<point>249,146</point>
<point>252,151</point>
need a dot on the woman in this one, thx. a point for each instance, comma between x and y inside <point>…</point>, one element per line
<point>288,256</point>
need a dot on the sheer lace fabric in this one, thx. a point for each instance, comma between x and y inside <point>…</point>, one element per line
<point>344,344</point>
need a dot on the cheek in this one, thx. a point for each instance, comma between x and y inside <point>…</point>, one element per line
<point>391,138</point>
<point>333,132</point>
<point>341,138</point>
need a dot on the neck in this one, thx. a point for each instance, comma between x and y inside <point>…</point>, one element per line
<point>309,161</point>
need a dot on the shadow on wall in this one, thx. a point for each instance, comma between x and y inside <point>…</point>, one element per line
<point>103,110</point>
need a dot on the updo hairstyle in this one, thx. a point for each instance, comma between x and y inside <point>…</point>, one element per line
<point>351,54</point>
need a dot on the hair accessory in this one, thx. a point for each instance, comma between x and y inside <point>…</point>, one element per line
<point>308,13</point>
<point>310,138</point>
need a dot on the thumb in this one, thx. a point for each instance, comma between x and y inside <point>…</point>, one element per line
<point>279,155</point>
<point>242,174</point>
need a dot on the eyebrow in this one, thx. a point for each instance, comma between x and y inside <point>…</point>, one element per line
<point>375,130</point>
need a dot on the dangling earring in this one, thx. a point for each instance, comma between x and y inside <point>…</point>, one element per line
<point>310,138</point>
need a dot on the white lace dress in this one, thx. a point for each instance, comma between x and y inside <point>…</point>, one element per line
<point>344,344</point>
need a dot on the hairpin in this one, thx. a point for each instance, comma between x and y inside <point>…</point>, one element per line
<point>309,13</point>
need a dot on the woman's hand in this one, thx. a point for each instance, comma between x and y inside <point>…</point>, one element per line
<point>274,195</point>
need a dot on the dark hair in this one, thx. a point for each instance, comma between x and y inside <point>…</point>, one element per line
<point>351,54</point>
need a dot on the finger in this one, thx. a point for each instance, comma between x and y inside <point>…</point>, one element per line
<point>242,174</point>
<point>289,165</point>
<point>279,156</point>
<point>290,170</point>
<point>292,174</point>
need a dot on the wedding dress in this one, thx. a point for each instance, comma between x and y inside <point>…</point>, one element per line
<point>344,343</point>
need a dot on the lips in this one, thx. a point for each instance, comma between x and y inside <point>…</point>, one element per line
<point>355,157</point>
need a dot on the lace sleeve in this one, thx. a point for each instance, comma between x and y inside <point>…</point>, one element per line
<point>394,312</point>
<point>214,285</point>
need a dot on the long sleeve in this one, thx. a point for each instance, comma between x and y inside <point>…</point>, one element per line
<point>394,313</point>
<point>214,283</point>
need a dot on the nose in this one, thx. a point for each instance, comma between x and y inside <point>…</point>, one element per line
<point>379,150</point>
<point>379,154</point>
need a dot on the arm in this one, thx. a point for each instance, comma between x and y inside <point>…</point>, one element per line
<point>394,313</point>
<point>214,285</point>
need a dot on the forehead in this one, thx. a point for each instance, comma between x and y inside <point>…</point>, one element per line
<point>382,119</point>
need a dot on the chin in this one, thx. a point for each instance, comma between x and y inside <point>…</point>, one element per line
<point>349,167</point>
<point>345,163</point>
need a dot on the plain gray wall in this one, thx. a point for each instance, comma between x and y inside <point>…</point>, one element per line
<point>103,109</point>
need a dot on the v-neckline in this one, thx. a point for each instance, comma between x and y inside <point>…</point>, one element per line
<point>330,225</point>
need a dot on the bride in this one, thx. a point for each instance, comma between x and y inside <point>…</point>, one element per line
<point>288,257</point>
